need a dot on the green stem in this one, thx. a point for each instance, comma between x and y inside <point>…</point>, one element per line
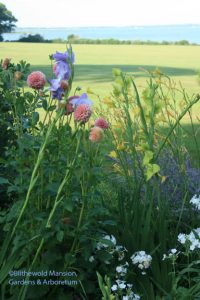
<point>176,123</point>
<point>33,180</point>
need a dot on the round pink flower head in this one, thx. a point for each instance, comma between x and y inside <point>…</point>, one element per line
<point>6,63</point>
<point>82,113</point>
<point>101,123</point>
<point>36,80</point>
<point>96,134</point>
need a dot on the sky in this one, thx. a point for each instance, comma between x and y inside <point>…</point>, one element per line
<point>78,13</point>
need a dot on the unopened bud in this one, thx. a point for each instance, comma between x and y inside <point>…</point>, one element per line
<point>62,104</point>
<point>66,220</point>
<point>64,85</point>
<point>17,75</point>
<point>41,93</point>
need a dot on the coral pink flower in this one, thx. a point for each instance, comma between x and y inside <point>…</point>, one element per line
<point>96,134</point>
<point>36,80</point>
<point>101,123</point>
<point>82,113</point>
<point>5,63</point>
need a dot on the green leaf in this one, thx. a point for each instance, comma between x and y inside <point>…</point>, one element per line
<point>4,180</point>
<point>151,170</point>
<point>52,107</point>
<point>60,235</point>
<point>68,205</point>
<point>10,263</point>
<point>147,157</point>
<point>44,104</point>
<point>116,72</point>
<point>35,118</point>
<point>106,242</point>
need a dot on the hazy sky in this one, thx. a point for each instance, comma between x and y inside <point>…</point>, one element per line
<point>68,13</point>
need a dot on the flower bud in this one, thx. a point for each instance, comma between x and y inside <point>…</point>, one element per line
<point>62,104</point>
<point>64,85</point>
<point>17,75</point>
<point>66,220</point>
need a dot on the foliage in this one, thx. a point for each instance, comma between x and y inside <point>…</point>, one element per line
<point>7,20</point>
<point>87,205</point>
<point>32,38</point>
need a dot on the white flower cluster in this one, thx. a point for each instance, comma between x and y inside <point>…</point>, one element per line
<point>173,254</point>
<point>117,249</point>
<point>101,245</point>
<point>142,260</point>
<point>120,250</point>
<point>192,239</point>
<point>126,288</point>
<point>122,270</point>
<point>196,201</point>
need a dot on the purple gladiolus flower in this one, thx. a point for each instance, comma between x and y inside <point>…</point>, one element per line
<point>58,94</point>
<point>83,99</point>
<point>58,56</point>
<point>62,70</point>
<point>56,89</point>
<point>55,84</point>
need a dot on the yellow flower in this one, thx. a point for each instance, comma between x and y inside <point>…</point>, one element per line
<point>113,154</point>
<point>121,146</point>
<point>108,101</point>
<point>89,91</point>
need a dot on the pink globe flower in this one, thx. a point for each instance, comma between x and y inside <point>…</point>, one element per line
<point>101,123</point>
<point>36,80</point>
<point>6,63</point>
<point>96,134</point>
<point>82,113</point>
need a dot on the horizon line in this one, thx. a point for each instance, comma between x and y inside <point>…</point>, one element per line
<point>103,26</point>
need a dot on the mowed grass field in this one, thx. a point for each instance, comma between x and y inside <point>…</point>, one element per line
<point>94,63</point>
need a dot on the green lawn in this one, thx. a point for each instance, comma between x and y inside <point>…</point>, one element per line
<point>94,63</point>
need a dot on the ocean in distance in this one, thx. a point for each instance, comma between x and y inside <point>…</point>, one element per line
<point>168,33</point>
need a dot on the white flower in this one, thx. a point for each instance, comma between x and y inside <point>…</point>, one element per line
<point>140,266</point>
<point>164,256</point>
<point>196,201</point>
<point>122,270</point>
<point>91,259</point>
<point>121,284</point>
<point>192,239</point>
<point>128,294</point>
<point>114,287</point>
<point>173,251</point>
<point>182,238</point>
<point>141,259</point>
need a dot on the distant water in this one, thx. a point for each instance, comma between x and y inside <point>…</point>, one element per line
<point>172,33</point>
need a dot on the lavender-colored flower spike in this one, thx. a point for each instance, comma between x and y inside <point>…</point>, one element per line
<point>58,56</point>
<point>56,89</point>
<point>83,99</point>
<point>62,70</point>
<point>55,84</point>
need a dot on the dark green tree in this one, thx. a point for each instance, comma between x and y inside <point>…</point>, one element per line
<point>7,20</point>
